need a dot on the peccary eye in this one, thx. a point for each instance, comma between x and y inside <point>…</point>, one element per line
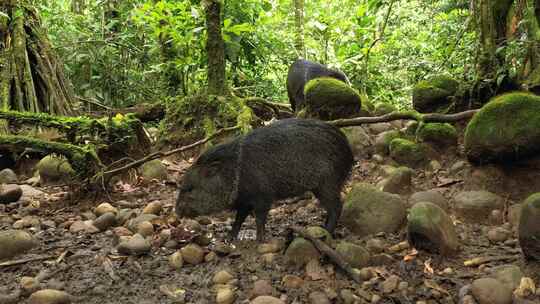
<point>186,189</point>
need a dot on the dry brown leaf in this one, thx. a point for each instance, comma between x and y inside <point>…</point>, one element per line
<point>315,271</point>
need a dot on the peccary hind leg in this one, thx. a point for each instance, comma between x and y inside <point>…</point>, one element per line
<point>330,200</point>
<point>241,215</point>
<point>261,214</point>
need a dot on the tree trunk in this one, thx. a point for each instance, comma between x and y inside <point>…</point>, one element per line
<point>299,28</point>
<point>32,78</point>
<point>215,48</point>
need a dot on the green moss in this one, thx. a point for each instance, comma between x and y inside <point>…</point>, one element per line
<point>383,108</point>
<point>55,168</point>
<point>533,200</point>
<point>432,95</point>
<point>83,159</point>
<point>439,133</point>
<point>187,118</point>
<point>382,143</point>
<point>407,152</point>
<point>506,128</point>
<point>328,98</point>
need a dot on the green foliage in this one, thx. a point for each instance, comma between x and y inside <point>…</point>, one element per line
<point>121,61</point>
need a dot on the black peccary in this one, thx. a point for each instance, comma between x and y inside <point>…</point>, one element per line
<point>285,159</point>
<point>301,72</point>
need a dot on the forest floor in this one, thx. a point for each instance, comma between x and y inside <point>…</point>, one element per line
<point>87,265</point>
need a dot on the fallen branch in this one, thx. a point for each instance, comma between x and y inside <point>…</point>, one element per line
<point>484,260</point>
<point>28,260</point>
<point>430,117</point>
<point>104,177</point>
<point>335,257</point>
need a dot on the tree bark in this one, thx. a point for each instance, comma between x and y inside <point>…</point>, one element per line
<point>299,28</point>
<point>215,48</point>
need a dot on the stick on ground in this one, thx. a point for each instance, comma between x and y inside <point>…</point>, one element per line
<point>335,257</point>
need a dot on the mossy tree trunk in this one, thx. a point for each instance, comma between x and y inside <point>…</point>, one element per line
<point>215,48</point>
<point>498,22</point>
<point>172,76</point>
<point>299,28</point>
<point>32,78</point>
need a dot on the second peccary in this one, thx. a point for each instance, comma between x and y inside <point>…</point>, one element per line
<point>300,73</point>
<point>284,159</point>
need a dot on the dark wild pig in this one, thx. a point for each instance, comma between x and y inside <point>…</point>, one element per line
<point>282,160</point>
<point>300,73</point>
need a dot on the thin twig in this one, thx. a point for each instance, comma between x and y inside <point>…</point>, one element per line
<point>24,261</point>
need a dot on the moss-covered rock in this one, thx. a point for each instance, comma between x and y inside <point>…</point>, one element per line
<point>433,94</point>
<point>529,227</point>
<point>429,228</point>
<point>382,108</point>
<point>383,140</point>
<point>328,98</point>
<point>154,169</point>
<point>407,153</point>
<point>506,128</point>
<point>355,255</point>
<point>368,210</point>
<point>360,142</point>
<point>440,134</point>
<point>53,168</point>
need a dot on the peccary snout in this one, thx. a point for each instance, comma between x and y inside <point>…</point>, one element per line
<point>284,159</point>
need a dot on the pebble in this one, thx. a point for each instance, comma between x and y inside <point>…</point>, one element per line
<point>491,291</point>
<point>390,284</point>
<point>268,258</point>
<point>261,288</point>
<point>104,208</point>
<point>222,277</point>
<point>211,256</point>
<point>145,229</point>
<point>498,235</point>
<point>153,208</point>
<point>15,242</point>
<point>318,297</point>
<point>29,284</point>
<point>225,296</point>
<point>49,296</point>
<point>365,273</point>
<point>271,247</point>
<point>136,245</point>
<point>176,261</point>
<point>192,254</point>
<point>267,300</point>
<point>375,245</point>
<point>348,296</point>
<point>104,221</point>
<point>10,193</point>
<point>292,281</point>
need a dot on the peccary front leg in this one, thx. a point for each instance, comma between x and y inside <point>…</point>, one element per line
<point>241,215</point>
<point>331,202</point>
<point>261,214</point>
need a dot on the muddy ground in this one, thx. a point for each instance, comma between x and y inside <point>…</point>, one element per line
<point>88,267</point>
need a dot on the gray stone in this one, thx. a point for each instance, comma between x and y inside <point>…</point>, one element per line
<point>7,176</point>
<point>431,229</point>
<point>508,275</point>
<point>15,242</point>
<point>491,291</point>
<point>368,211</point>
<point>476,206</point>
<point>432,196</point>
<point>10,193</point>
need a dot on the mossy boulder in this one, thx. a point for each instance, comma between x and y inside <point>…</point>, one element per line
<point>383,140</point>
<point>439,134</point>
<point>360,142</point>
<point>355,255</point>
<point>368,211</point>
<point>53,168</point>
<point>429,228</point>
<point>153,169</point>
<point>407,152</point>
<point>15,242</point>
<point>434,94</point>
<point>328,98</point>
<point>529,227</point>
<point>383,108</point>
<point>507,128</point>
